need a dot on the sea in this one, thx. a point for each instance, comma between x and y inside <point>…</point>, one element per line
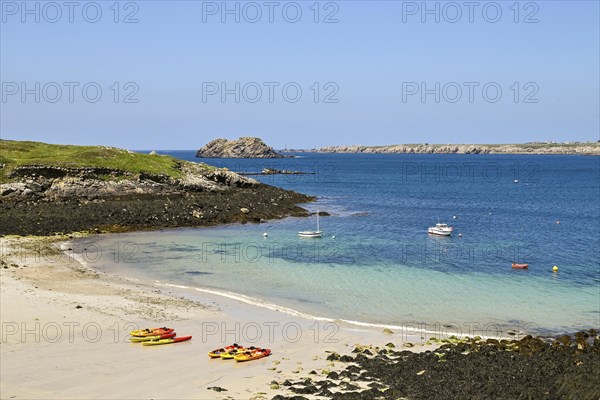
<point>376,265</point>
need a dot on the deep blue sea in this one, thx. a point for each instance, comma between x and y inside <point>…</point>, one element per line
<point>376,264</point>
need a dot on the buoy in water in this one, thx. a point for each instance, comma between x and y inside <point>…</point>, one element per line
<point>265,234</point>
<point>454,217</point>
<point>460,235</point>
<point>555,269</point>
<point>557,222</point>
<point>333,237</point>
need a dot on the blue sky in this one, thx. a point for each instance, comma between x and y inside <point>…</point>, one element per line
<point>361,78</point>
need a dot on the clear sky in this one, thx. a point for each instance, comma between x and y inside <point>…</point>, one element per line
<point>369,72</point>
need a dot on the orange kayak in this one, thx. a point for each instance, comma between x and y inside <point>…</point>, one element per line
<point>520,266</point>
<point>250,355</point>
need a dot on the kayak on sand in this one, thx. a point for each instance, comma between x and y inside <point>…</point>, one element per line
<point>166,341</point>
<point>229,355</point>
<point>151,332</point>
<point>138,339</point>
<point>216,353</point>
<point>252,355</point>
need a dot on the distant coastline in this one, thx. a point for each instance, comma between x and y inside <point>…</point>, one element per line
<point>581,148</point>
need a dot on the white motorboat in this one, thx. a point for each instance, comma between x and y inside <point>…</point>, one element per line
<point>440,229</point>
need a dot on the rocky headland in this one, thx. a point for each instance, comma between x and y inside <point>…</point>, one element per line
<point>587,148</point>
<point>108,189</point>
<point>244,147</point>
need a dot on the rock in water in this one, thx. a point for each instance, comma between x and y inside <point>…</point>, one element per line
<point>244,147</point>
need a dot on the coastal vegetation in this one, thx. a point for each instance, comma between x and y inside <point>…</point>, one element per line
<point>14,154</point>
<point>47,188</point>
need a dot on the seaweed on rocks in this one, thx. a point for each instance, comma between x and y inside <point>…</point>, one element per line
<point>175,208</point>
<point>566,367</point>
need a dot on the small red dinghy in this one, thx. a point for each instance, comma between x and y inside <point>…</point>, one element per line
<point>520,266</point>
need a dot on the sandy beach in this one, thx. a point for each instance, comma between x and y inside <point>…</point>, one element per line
<point>391,200</point>
<point>65,335</point>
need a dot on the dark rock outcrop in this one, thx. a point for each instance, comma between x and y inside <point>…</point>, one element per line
<point>273,171</point>
<point>529,368</point>
<point>244,147</point>
<point>42,200</point>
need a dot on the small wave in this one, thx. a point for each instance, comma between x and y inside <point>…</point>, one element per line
<point>251,301</point>
<point>66,248</point>
<point>79,258</point>
<point>403,329</point>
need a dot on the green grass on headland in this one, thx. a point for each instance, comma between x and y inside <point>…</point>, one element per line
<point>22,153</point>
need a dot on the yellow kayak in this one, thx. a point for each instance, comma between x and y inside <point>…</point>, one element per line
<point>166,341</point>
<point>216,353</point>
<point>229,355</point>
<point>151,332</point>
<point>251,355</point>
<point>138,339</point>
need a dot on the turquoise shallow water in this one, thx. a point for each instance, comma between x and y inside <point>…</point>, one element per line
<point>382,267</point>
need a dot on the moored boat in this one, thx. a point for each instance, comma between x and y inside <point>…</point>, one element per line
<point>440,229</point>
<point>520,266</point>
<point>312,234</point>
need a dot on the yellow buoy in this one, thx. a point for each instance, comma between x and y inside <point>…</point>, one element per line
<point>555,269</point>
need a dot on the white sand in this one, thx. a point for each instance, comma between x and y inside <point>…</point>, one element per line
<point>52,350</point>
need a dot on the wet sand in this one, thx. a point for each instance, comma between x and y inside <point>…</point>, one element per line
<point>65,335</point>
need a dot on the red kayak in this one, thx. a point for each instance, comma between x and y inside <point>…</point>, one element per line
<point>520,266</point>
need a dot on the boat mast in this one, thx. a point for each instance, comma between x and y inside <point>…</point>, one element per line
<point>318,221</point>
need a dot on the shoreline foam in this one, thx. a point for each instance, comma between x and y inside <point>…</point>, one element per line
<point>491,329</point>
<point>39,296</point>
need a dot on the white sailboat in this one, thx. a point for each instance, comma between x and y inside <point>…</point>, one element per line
<point>312,234</point>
